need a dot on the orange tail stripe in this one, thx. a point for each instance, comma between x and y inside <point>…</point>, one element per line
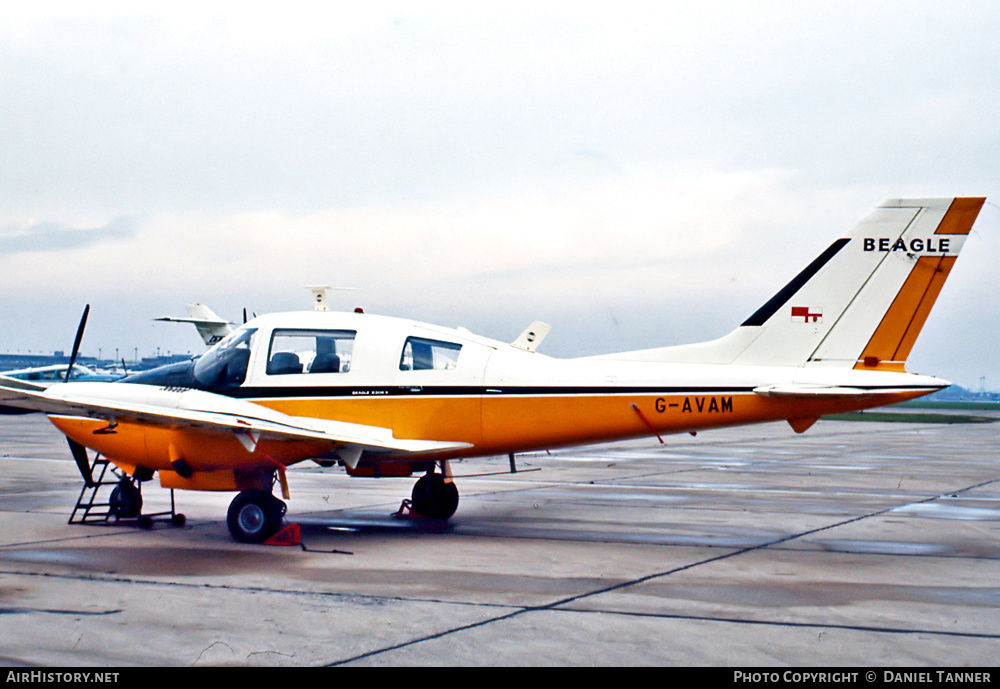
<point>961,215</point>
<point>894,338</point>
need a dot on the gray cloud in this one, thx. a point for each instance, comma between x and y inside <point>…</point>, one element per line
<point>691,156</point>
<point>55,237</point>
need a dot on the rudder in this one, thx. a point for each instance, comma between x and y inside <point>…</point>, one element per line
<point>892,341</point>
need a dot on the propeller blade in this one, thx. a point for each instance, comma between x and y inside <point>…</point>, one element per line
<point>82,461</point>
<point>76,343</point>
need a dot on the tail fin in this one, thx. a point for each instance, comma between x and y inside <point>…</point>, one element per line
<point>211,327</point>
<point>863,301</point>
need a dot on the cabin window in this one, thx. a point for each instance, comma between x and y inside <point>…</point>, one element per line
<point>310,351</point>
<point>420,354</point>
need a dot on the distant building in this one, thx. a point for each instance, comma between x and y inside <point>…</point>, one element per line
<point>10,362</point>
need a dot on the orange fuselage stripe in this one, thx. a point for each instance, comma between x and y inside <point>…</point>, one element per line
<point>517,423</point>
<point>492,424</point>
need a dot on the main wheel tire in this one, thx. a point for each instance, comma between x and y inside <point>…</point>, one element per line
<point>434,497</point>
<point>254,516</point>
<point>126,500</point>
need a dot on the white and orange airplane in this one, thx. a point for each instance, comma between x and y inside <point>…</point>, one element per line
<point>392,397</point>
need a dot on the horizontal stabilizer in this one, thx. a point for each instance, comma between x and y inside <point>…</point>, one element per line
<point>811,391</point>
<point>818,390</point>
<point>211,327</point>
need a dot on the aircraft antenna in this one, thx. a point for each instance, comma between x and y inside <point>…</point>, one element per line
<point>320,302</point>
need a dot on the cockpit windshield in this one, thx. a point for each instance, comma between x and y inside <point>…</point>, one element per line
<point>225,364</point>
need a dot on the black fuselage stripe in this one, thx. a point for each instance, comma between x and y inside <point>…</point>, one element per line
<point>265,392</point>
<point>286,392</point>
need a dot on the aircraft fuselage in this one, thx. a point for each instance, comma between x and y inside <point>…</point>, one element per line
<point>427,382</point>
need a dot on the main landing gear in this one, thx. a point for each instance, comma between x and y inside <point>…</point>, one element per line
<point>254,516</point>
<point>435,496</point>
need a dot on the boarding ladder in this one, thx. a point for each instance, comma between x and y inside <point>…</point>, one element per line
<point>101,499</point>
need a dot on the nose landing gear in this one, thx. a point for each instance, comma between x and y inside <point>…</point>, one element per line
<point>126,500</point>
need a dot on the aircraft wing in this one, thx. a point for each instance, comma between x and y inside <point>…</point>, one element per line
<point>207,412</point>
<point>12,385</point>
<point>11,390</point>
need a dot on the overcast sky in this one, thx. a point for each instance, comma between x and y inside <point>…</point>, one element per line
<point>635,174</point>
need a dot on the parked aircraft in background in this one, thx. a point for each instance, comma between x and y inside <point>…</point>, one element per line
<point>211,327</point>
<point>56,373</point>
<point>385,396</point>
<point>52,374</point>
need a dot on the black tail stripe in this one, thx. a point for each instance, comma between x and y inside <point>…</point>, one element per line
<point>778,300</point>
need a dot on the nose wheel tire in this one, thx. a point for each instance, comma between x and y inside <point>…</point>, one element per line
<point>254,516</point>
<point>434,497</point>
<point>126,500</point>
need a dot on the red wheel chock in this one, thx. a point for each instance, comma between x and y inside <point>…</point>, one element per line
<point>405,511</point>
<point>290,535</point>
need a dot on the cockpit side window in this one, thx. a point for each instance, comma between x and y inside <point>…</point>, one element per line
<point>225,364</point>
<point>310,351</point>
<point>420,354</point>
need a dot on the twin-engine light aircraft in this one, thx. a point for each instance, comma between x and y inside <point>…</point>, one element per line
<point>391,397</point>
